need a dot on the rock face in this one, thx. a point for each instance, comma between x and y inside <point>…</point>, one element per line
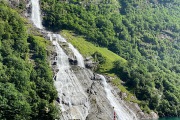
<point>95,103</point>
<point>100,108</point>
<point>72,98</point>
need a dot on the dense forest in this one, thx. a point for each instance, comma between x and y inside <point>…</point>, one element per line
<point>26,85</point>
<point>144,32</point>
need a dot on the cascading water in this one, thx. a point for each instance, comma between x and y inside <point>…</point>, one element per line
<point>74,50</point>
<point>78,55</point>
<point>72,98</point>
<point>71,95</point>
<point>120,110</point>
<point>35,16</point>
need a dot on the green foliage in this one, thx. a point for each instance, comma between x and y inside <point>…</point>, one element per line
<point>26,86</point>
<point>13,105</point>
<point>145,33</point>
<point>98,57</point>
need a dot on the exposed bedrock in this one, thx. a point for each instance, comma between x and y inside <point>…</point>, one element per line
<point>100,107</point>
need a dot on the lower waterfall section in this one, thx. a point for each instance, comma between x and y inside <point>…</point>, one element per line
<point>83,94</point>
<point>71,96</point>
<point>80,96</point>
<point>119,109</point>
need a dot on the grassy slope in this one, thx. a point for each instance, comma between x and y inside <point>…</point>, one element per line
<point>42,42</point>
<point>86,49</point>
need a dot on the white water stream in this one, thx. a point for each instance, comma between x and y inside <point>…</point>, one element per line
<point>72,98</point>
<point>36,16</point>
<point>79,57</point>
<point>121,111</point>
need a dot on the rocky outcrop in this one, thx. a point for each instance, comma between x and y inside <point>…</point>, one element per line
<point>13,3</point>
<point>100,108</point>
<point>90,64</point>
<point>25,6</point>
<point>71,57</point>
<point>73,60</point>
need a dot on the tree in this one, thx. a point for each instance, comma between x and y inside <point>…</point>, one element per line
<point>13,104</point>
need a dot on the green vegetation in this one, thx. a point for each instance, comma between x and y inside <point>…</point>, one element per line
<point>88,49</point>
<point>26,86</point>
<point>145,33</point>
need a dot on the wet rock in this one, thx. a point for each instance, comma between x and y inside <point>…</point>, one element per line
<point>55,77</point>
<point>54,63</point>
<point>95,77</point>
<point>56,70</point>
<point>73,61</point>
<point>54,54</point>
<point>123,95</point>
<point>109,78</point>
<point>89,63</point>
<point>58,100</point>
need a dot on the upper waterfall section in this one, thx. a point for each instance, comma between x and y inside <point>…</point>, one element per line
<point>36,14</point>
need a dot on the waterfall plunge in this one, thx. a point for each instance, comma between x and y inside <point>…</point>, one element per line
<point>36,16</point>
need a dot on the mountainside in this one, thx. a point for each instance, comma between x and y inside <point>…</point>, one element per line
<point>144,32</point>
<point>144,68</point>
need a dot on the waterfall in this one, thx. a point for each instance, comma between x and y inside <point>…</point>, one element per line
<point>122,113</point>
<point>78,55</point>
<point>70,92</point>
<point>72,97</point>
<point>36,16</point>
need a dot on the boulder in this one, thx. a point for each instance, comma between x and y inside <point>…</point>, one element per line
<point>154,115</point>
<point>54,63</point>
<point>95,77</point>
<point>73,61</point>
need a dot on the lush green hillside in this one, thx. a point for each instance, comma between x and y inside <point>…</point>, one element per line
<point>26,86</point>
<point>144,32</point>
